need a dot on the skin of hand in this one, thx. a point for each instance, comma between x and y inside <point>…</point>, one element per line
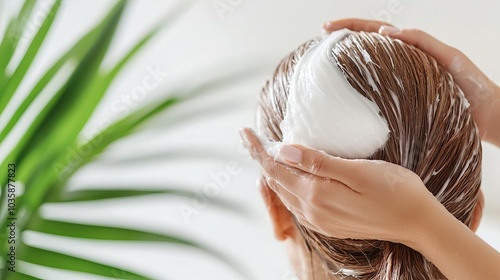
<point>344,198</point>
<point>365,199</point>
<point>482,93</point>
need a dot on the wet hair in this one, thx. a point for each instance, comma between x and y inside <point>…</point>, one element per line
<point>431,133</point>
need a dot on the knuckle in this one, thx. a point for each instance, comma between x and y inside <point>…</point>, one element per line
<point>318,164</point>
<point>269,166</point>
<point>267,163</point>
<point>318,198</point>
<point>404,172</point>
<point>261,154</point>
<point>455,56</point>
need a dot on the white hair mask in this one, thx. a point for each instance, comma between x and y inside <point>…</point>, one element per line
<point>325,112</point>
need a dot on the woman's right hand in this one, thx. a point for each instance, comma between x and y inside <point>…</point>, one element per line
<point>362,199</point>
<point>482,93</point>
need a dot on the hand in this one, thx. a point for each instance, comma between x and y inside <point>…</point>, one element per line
<point>343,198</point>
<point>482,93</point>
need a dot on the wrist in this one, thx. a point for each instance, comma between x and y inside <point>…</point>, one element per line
<point>428,224</point>
<point>454,249</point>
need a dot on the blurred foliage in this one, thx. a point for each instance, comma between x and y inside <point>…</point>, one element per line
<point>53,134</point>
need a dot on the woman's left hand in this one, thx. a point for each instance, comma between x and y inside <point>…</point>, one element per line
<point>361,199</point>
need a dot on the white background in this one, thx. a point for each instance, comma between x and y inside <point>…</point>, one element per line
<point>207,42</point>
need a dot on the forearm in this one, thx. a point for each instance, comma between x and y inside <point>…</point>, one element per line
<point>455,249</point>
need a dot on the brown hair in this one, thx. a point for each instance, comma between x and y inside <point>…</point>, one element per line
<point>432,134</point>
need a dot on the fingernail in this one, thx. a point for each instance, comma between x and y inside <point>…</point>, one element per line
<point>327,25</point>
<point>290,154</point>
<point>388,30</point>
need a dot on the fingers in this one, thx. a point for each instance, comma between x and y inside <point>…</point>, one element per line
<point>285,175</point>
<point>440,51</point>
<point>443,53</point>
<point>476,86</point>
<point>358,175</point>
<point>303,221</point>
<point>290,200</point>
<point>354,24</point>
<point>299,179</point>
<point>292,179</point>
<point>452,59</point>
<point>252,143</point>
<point>321,164</point>
<point>465,72</point>
<point>293,204</point>
<point>311,175</point>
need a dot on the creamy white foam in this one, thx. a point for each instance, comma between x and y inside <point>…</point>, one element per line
<point>325,112</point>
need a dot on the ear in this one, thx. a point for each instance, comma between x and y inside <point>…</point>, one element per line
<point>477,213</point>
<point>283,222</point>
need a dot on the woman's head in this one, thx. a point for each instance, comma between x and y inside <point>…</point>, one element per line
<point>431,132</point>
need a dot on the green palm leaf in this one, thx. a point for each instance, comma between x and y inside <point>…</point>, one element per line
<point>105,193</point>
<point>47,140</point>
<point>21,276</point>
<point>102,194</point>
<point>43,179</point>
<point>73,56</point>
<point>11,38</point>
<point>29,56</point>
<point>170,155</point>
<point>30,146</point>
<point>67,262</point>
<point>96,232</point>
<point>81,94</point>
